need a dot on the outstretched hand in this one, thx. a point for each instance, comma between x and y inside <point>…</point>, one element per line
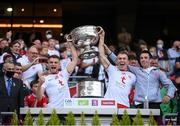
<point>35,61</point>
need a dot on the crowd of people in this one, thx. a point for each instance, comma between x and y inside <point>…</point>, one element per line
<point>38,76</point>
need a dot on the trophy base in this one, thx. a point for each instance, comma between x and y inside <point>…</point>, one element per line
<point>88,54</point>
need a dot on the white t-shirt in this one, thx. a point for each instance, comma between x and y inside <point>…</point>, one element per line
<point>64,63</point>
<point>56,88</point>
<point>119,85</point>
<point>31,73</point>
<point>2,57</point>
<point>53,52</point>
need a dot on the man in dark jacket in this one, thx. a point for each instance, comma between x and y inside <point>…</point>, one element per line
<point>11,90</point>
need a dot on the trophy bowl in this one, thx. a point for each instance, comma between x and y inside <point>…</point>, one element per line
<point>85,39</point>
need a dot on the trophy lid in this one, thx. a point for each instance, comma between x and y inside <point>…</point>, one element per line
<point>85,33</point>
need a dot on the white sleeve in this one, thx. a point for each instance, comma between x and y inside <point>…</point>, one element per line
<point>65,74</point>
<point>40,67</point>
<point>22,61</point>
<point>110,69</point>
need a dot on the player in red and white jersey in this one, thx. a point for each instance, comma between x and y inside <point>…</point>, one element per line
<point>120,80</point>
<point>55,84</point>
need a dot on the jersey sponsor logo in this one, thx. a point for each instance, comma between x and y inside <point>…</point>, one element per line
<point>108,102</point>
<point>68,102</point>
<point>94,102</point>
<point>83,102</point>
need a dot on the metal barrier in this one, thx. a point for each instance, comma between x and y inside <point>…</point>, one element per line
<point>170,117</point>
<point>74,81</point>
<point>2,114</point>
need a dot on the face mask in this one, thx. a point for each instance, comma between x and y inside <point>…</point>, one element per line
<point>69,54</point>
<point>152,53</point>
<point>9,74</point>
<point>145,49</point>
<point>48,36</point>
<point>57,46</point>
<point>160,46</point>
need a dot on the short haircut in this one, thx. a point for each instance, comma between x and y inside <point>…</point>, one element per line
<point>155,57</point>
<point>54,56</point>
<point>147,52</point>
<point>18,64</point>
<point>124,52</point>
<point>63,49</point>
<point>132,57</point>
<point>33,82</point>
<point>13,43</point>
<point>5,64</point>
<point>6,56</point>
<point>3,39</point>
<point>142,42</point>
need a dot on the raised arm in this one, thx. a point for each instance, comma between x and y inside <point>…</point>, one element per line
<point>104,61</point>
<point>110,54</point>
<point>40,89</point>
<point>71,66</point>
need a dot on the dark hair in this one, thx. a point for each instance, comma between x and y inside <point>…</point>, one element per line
<point>155,57</point>
<point>124,52</point>
<point>123,48</point>
<point>13,43</point>
<point>62,49</point>
<point>3,39</point>
<point>6,56</point>
<point>165,55</point>
<point>33,82</point>
<point>54,56</point>
<point>18,64</point>
<point>142,42</point>
<point>35,39</point>
<point>132,57</point>
<point>147,52</point>
<point>9,29</point>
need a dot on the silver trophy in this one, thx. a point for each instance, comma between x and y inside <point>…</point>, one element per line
<point>85,39</point>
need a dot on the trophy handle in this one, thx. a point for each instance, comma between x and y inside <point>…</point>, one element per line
<point>99,29</point>
<point>68,37</point>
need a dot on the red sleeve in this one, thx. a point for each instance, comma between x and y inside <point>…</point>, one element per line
<point>43,102</point>
<point>26,101</point>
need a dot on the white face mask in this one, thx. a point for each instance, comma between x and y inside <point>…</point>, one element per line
<point>69,54</point>
<point>152,53</point>
<point>160,46</point>
<point>48,36</point>
<point>57,46</point>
